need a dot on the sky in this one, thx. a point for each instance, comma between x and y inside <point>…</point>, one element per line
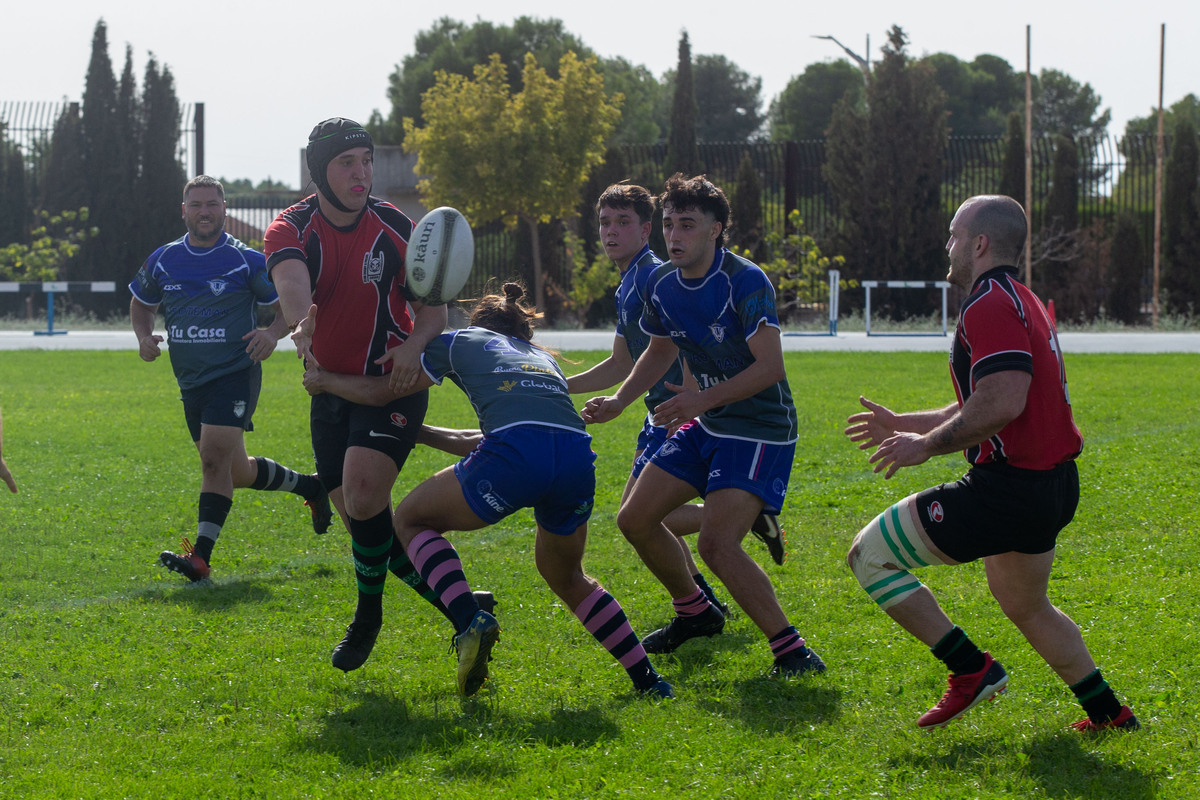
<point>268,71</point>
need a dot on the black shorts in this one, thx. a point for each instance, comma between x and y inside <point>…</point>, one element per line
<point>338,424</point>
<point>228,400</point>
<point>996,508</point>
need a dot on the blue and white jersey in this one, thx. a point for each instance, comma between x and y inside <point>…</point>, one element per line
<point>508,381</point>
<point>710,319</point>
<point>631,300</point>
<point>210,298</point>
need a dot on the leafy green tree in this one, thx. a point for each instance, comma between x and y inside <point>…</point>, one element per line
<point>682,153</point>
<point>804,108</point>
<point>645,112</point>
<point>979,94</point>
<point>521,157</point>
<point>55,240</point>
<point>456,48</point>
<point>797,267</point>
<point>1181,221</point>
<point>1185,108</point>
<point>884,165</point>
<point>1063,105</point>
<point>728,101</point>
<point>1012,169</point>
<point>1128,267</point>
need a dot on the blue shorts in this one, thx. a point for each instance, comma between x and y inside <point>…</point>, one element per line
<point>649,440</point>
<point>551,470</point>
<point>717,462</point>
<point>229,400</point>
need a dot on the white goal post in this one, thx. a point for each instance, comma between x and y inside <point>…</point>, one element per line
<point>869,285</point>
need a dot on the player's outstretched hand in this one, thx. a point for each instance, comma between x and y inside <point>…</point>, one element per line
<point>262,344</point>
<point>148,347</point>
<point>869,428</point>
<point>302,334</point>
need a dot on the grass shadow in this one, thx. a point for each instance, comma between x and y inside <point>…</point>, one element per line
<point>209,596</point>
<point>388,727</point>
<point>1062,764</point>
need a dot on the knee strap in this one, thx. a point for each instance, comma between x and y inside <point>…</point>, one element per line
<point>883,553</point>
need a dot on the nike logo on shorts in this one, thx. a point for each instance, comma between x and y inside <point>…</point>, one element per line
<point>377,435</point>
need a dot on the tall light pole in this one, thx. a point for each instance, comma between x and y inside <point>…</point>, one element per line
<point>863,63</point>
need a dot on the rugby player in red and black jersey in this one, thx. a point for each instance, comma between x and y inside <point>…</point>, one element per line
<point>1012,419</point>
<point>337,261</point>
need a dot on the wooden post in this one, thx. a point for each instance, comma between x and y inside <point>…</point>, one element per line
<point>1158,178</point>
<point>1028,161</point>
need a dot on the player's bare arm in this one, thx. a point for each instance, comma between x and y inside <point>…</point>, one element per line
<point>998,399</point>
<point>649,369</point>
<point>869,428</point>
<point>455,441</point>
<point>606,374</point>
<point>295,303</point>
<point>406,371</point>
<point>766,370</point>
<point>141,316</point>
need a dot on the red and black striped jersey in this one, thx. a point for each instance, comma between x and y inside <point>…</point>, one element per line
<point>357,278</point>
<point>1003,326</point>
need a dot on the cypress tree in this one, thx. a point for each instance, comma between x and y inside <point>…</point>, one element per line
<point>64,186</point>
<point>682,153</point>
<point>884,164</point>
<point>1126,271</point>
<point>101,134</point>
<point>1012,170</point>
<point>161,178</point>
<point>746,228</point>
<point>1181,221</point>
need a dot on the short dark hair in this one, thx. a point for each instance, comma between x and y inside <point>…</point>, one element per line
<point>1003,221</point>
<point>203,182</point>
<point>628,196</point>
<point>699,193</point>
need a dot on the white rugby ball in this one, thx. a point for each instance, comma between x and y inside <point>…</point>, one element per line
<point>440,254</point>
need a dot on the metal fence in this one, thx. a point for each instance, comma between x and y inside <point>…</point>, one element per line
<point>29,125</point>
<point>1115,175</point>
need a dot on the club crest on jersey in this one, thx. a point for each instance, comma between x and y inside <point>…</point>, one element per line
<point>218,286</point>
<point>936,513</point>
<point>372,268</point>
<point>239,408</point>
<point>399,420</point>
<point>718,332</point>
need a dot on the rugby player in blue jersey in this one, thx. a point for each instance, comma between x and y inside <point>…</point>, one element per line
<point>210,286</point>
<point>737,430</point>
<point>534,453</point>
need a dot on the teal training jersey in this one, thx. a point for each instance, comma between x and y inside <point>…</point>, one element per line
<point>508,381</point>
<point>710,319</point>
<point>210,298</point>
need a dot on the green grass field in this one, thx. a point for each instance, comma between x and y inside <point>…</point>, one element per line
<point>120,680</point>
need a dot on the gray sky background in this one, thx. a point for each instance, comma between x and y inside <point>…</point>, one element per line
<point>268,71</point>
